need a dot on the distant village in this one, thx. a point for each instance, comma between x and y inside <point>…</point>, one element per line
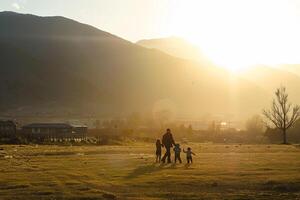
<point>108,131</point>
<point>43,131</point>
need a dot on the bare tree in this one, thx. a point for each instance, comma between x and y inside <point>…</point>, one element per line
<point>282,114</point>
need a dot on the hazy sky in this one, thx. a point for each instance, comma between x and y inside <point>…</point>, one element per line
<point>231,32</point>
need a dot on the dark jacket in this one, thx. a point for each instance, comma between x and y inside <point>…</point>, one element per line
<point>168,140</point>
<point>177,150</point>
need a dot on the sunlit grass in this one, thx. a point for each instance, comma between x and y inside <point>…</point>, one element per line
<point>129,172</point>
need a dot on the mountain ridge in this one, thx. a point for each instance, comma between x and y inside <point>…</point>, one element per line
<point>265,76</point>
<point>175,46</point>
<point>108,75</point>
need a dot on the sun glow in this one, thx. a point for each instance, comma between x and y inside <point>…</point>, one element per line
<point>237,34</point>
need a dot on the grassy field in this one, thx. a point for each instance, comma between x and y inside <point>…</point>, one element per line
<point>129,172</point>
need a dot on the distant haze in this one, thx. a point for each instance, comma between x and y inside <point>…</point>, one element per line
<point>55,66</point>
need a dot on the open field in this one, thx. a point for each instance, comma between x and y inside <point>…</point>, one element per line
<point>129,172</point>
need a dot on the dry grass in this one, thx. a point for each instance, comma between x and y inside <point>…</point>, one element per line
<point>128,172</point>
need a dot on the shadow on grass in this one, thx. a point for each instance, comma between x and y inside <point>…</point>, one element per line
<point>148,169</point>
<point>12,186</point>
<point>281,187</point>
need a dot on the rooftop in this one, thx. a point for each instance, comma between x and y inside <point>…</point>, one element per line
<point>48,125</point>
<point>7,122</point>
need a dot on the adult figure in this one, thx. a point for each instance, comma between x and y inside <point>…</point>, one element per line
<point>168,143</point>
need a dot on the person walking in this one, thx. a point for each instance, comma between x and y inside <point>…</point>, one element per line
<point>168,143</point>
<point>177,151</point>
<point>189,153</point>
<point>158,150</point>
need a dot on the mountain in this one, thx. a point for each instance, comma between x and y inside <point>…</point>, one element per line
<point>270,78</point>
<point>177,47</point>
<point>293,68</point>
<point>267,77</point>
<point>57,66</point>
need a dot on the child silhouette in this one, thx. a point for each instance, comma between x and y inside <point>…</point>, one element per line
<point>189,153</point>
<point>177,151</point>
<point>158,150</point>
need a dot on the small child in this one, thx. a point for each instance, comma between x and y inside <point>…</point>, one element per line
<point>189,154</point>
<point>177,151</point>
<point>158,150</point>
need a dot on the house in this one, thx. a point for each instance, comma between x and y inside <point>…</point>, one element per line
<point>54,131</point>
<point>44,131</point>
<point>8,128</point>
<point>80,130</point>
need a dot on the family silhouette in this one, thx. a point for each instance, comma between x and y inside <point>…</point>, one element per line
<point>168,142</point>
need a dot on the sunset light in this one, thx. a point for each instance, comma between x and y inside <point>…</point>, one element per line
<point>236,34</point>
<point>149,99</point>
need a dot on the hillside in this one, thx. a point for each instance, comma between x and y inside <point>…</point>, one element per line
<point>270,78</point>
<point>293,68</point>
<point>267,77</point>
<point>177,47</point>
<point>57,66</point>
